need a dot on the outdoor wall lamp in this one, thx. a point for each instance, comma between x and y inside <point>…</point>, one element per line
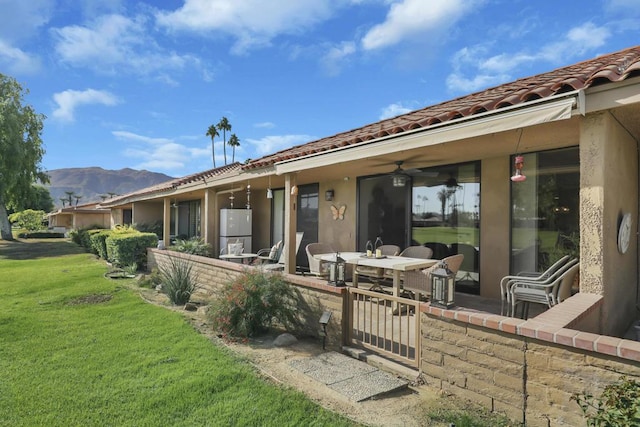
<point>328,195</point>
<point>443,286</point>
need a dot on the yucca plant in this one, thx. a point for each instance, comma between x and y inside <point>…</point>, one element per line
<point>179,282</point>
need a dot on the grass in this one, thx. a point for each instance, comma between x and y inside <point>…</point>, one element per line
<point>79,349</point>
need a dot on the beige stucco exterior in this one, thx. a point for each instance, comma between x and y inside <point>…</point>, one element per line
<point>602,123</point>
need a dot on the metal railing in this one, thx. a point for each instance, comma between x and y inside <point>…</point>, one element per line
<point>385,324</point>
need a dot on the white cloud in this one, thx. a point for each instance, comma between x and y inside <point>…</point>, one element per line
<point>265,125</point>
<point>160,153</point>
<point>251,23</point>
<point>334,59</point>
<point>491,70</point>
<point>273,143</point>
<point>16,61</point>
<point>393,110</point>
<point>411,18</point>
<point>114,43</point>
<point>69,100</point>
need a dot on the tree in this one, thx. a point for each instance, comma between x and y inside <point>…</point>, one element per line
<point>234,142</point>
<point>21,150</point>
<point>77,197</point>
<point>40,200</point>
<point>28,219</point>
<point>70,195</point>
<point>213,132</point>
<point>443,196</point>
<point>224,126</point>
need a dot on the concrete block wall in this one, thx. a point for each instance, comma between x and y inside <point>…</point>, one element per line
<point>315,296</point>
<point>526,369</point>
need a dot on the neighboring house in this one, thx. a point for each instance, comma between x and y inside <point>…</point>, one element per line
<point>81,216</point>
<point>442,174</point>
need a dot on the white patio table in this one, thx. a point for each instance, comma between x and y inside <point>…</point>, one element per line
<point>397,264</point>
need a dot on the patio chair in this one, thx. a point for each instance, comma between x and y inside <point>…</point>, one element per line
<point>440,250</point>
<point>279,265</point>
<point>317,267</point>
<point>269,255</point>
<point>471,264</point>
<point>419,282</point>
<point>417,252</point>
<point>545,292</point>
<point>506,281</point>
<point>412,252</point>
<point>374,274</point>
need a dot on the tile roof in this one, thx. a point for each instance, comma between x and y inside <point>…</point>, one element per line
<point>613,67</point>
<point>174,183</point>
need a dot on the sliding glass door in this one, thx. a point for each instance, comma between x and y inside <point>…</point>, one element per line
<point>545,210</point>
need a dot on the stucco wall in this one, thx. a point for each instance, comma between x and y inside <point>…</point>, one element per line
<point>341,234</point>
<point>85,220</point>
<point>608,189</point>
<point>147,212</point>
<point>495,211</point>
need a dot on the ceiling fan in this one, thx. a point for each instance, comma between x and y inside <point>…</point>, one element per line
<point>400,176</point>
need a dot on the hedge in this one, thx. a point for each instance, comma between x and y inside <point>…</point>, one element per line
<point>127,248</point>
<point>98,242</point>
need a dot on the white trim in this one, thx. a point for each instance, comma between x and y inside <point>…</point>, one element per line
<point>481,124</point>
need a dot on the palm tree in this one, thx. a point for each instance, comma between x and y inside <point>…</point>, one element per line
<point>70,195</point>
<point>443,196</point>
<point>224,126</point>
<point>233,142</point>
<point>77,198</point>
<point>64,202</point>
<point>212,132</point>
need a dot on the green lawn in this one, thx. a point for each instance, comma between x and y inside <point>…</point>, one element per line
<point>79,349</point>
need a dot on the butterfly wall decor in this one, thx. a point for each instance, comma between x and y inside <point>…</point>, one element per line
<point>338,213</point>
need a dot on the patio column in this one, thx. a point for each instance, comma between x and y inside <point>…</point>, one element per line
<point>290,224</point>
<point>608,190</point>
<point>166,222</point>
<point>209,219</point>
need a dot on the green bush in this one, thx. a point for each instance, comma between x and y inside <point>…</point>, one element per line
<point>250,304</point>
<point>619,405</point>
<point>40,235</point>
<point>28,219</point>
<point>126,248</point>
<point>194,246</point>
<point>178,280</point>
<point>98,239</point>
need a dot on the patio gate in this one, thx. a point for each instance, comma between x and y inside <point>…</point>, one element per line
<point>385,324</point>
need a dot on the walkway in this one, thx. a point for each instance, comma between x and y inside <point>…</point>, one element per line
<point>352,378</point>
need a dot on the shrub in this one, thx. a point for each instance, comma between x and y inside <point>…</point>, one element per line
<point>125,248</point>
<point>98,239</point>
<point>178,280</point>
<point>28,219</point>
<point>40,235</point>
<point>619,404</point>
<point>194,246</point>
<point>251,303</point>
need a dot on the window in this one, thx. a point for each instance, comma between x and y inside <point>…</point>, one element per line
<point>445,216</point>
<point>545,210</point>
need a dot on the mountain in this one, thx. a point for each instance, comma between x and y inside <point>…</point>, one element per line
<point>91,183</point>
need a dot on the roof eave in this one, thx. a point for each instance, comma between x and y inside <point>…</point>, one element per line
<point>539,111</point>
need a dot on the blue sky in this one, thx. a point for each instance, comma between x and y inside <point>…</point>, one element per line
<point>136,84</point>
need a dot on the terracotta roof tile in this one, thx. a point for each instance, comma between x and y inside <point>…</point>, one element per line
<point>174,183</point>
<point>613,67</point>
